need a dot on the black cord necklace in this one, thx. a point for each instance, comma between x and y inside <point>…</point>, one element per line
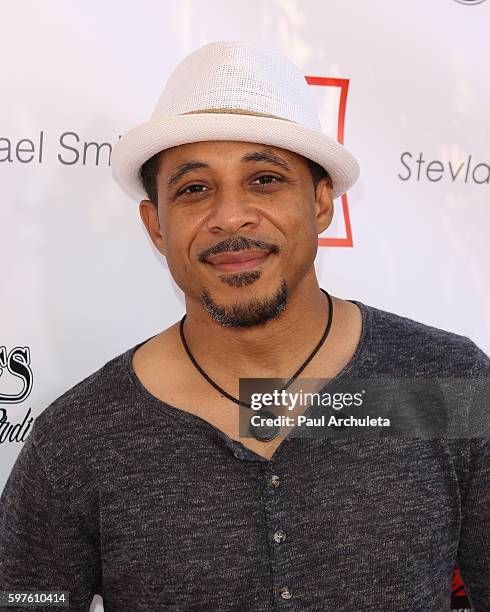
<point>263,432</point>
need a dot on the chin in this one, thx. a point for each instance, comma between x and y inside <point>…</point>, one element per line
<point>249,311</point>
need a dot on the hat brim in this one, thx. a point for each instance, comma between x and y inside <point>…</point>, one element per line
<point>144,141</point>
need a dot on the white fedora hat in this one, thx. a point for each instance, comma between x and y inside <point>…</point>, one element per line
<point>233,91</point>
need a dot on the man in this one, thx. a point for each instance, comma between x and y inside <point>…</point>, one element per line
<point>136,483</point>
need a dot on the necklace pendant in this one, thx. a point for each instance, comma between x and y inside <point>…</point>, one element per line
<point>264,432</point>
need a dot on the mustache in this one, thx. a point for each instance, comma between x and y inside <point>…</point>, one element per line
<point>237,243</point>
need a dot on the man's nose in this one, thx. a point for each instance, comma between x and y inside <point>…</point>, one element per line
<point>232,211</point>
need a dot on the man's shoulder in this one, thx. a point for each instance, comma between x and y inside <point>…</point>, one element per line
<point>396,326</point>
<point>403,340</point>
<point>88,406</point>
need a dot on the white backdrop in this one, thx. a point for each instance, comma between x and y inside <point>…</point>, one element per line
<point>81,281</point>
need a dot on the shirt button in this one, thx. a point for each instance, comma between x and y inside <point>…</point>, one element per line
<point>280,535</point>
<point>274,481</point>
<point>286,593</point>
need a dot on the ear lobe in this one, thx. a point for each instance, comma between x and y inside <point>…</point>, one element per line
<point>324,204</point>
<point>149,216</point>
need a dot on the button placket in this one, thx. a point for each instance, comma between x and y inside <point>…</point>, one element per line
<point>278,533</point>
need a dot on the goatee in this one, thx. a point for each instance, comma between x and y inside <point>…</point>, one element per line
<point>250,313</point>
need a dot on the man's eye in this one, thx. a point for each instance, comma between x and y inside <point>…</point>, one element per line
<point>268,176</point>
<point>190,187</point>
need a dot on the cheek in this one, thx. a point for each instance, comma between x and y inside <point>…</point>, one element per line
<point>302,238</point>
<point>179,267</point>
<point>301,225</point>
<point>179,236</point>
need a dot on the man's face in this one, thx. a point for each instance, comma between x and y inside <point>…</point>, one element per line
<point>238,223</point>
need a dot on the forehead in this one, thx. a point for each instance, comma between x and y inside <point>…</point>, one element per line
<point>215,152</point>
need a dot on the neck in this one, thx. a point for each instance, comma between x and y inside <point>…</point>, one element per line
<point>275,349</point>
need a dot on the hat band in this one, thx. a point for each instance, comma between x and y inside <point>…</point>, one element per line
<point>236,111</point>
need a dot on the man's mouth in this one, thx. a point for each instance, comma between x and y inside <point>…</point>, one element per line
<point>241,260</point>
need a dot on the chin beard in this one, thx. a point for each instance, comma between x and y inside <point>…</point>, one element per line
<point>256,311</point>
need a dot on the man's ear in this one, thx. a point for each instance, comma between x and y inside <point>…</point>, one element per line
<point>324,204</point>
<point>149,216</point>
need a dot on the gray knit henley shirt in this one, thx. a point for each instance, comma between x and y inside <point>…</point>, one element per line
<point>119,494</point>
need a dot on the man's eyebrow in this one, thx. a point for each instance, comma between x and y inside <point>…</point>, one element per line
<point>264,155</point>
<point>267,156</point>
<point>183,169</point>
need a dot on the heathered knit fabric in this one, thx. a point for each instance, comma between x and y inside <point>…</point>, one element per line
<point>117,493</point>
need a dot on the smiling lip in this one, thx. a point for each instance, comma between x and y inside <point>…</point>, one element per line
<point>242,260</point>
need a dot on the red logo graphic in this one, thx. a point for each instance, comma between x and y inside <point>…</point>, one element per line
<point>343,84</point>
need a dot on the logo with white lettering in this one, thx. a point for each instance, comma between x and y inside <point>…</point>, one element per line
<point>17,363</point>
<point>15,368</point>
